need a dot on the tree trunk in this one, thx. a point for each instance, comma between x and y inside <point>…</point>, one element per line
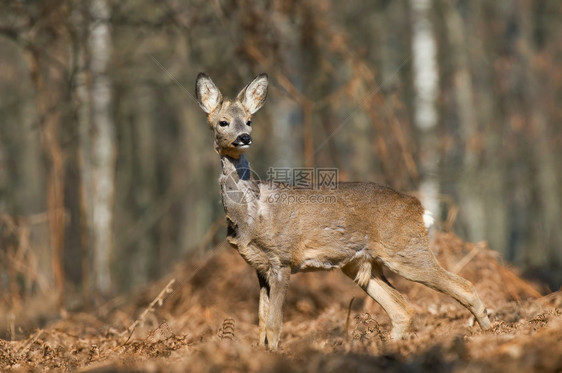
<point>492,170</point>
<point>82,105</point>
<point>103,151</point>
<point>29,195</point>
<point>471,204</point>
<point>47,100</point>
<point>426,79</point>
<point>145,260</point>
<point>549,235</point>
<point>310,63</point>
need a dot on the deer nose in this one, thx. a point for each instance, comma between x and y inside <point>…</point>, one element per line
<point>245,139</point>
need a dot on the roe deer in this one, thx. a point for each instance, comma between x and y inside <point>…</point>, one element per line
<point>367,226</point>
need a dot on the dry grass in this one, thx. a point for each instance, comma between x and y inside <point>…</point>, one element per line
<point>207,321</point>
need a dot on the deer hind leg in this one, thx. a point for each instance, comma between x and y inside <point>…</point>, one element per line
<point>394,303</point>
<point>420,265</point>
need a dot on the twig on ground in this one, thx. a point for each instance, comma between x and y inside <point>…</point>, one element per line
<point>347,320</point>
<point>30,342</point>
<point>468,257</point>
<point>514,284</point>
<point>159,300</point>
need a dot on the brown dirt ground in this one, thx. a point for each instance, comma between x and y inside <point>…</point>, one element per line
<point>208,322</point>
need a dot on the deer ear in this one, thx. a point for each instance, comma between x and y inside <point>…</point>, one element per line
<point>254,94</point>
<point>208,95</point>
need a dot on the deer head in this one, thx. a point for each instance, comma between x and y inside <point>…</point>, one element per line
<point>231,120</point>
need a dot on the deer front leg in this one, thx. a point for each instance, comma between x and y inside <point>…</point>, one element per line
<point>263,309</point>
<point>278,284</point>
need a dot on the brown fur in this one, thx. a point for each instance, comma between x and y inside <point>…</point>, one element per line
<point>362,227</point>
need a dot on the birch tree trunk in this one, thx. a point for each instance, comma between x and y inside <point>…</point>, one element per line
<point>426,79</point>
<point>102,142</point>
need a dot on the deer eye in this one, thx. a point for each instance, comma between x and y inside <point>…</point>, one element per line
<point>249,123</point>
<point>223,123</point>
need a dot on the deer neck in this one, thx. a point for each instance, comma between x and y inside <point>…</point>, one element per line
<point>238,169</point>
<point>240,193</point>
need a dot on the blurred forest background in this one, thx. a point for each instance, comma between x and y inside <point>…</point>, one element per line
<point>107,170</point>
